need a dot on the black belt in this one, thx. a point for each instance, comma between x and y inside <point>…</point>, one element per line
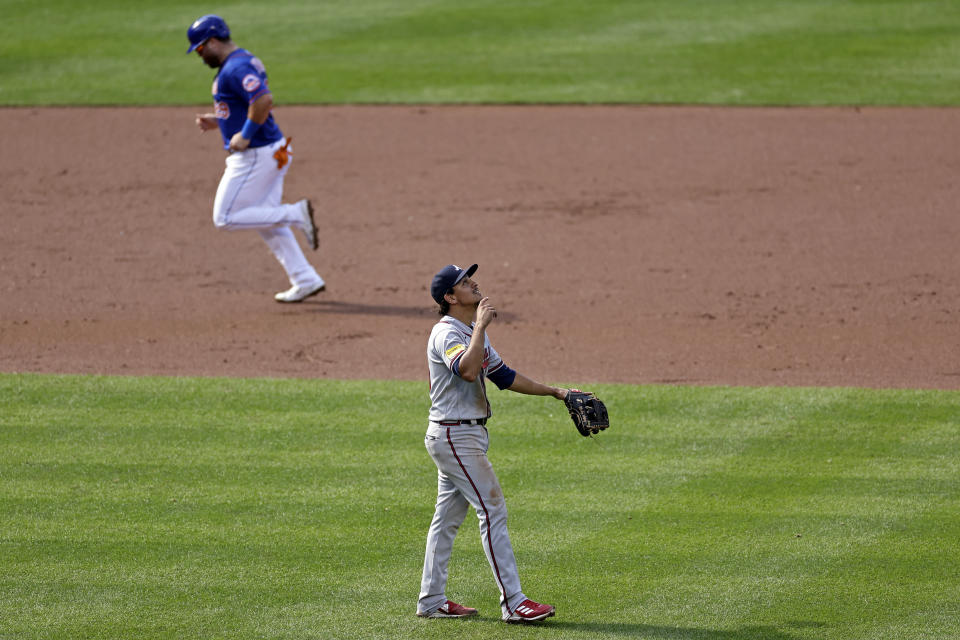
<point>453,423</point>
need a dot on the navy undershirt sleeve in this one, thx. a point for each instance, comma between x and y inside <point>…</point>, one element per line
<point>503,377</point>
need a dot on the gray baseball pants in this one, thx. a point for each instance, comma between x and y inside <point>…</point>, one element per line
<point>465,478</point>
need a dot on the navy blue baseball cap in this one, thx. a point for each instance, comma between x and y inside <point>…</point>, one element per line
<point>447,278</point>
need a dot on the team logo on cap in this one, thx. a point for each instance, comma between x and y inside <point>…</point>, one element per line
<point>251,83</point>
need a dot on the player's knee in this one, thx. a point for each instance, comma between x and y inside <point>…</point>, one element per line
<point>496,511</point>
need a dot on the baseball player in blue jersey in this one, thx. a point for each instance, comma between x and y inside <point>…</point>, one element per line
<point>252,184</point>
<point>460,359</point>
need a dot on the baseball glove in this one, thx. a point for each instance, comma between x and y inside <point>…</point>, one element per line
<point>588,412</point>
<point>282,155</point>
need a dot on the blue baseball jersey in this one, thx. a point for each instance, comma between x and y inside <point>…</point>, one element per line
<point>241,79</point>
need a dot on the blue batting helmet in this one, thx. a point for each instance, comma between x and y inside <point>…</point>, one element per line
<point>204,28</point>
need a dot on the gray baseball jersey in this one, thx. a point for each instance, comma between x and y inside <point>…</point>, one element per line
<point>452,397</point>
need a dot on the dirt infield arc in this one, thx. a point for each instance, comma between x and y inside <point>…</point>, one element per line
<point>621,244</point>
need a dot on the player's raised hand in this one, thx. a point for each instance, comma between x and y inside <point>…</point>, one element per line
<point>485,312</point>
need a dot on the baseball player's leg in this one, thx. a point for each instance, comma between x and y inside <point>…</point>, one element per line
<point>492,516</point>
<point>447,517</point>
<point>250,178</point>
<point>275,195</point>
<point>288,253</point>
<point>461,455</point>
<point>248,197</point>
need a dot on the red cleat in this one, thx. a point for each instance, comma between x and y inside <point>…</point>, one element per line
<point>530,611</point>
<point>450,610</point>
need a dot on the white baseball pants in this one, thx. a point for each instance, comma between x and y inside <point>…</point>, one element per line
<point>249,198</point>
<point>465,478</point>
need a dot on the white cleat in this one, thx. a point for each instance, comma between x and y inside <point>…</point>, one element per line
<point>297,293</point>
<point>309,227</point>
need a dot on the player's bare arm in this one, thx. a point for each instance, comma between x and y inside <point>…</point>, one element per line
<point>258,112</point>
<point>471,362</point>
<point>523,384</point>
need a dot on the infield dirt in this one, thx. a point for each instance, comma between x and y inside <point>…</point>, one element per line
<point>689,245</point>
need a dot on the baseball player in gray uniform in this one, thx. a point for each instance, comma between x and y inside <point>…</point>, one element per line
<point>460,359</point>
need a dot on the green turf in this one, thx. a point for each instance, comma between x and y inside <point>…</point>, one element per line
<point>218,508</point>
<point>803,52</point>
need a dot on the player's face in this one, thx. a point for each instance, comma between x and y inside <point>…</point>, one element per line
<point>208,53</point>
<point>467,292</point>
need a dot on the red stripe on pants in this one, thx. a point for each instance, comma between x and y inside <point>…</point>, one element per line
<point>486,513</point>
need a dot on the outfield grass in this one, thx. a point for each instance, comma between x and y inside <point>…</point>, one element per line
<point>801,52</point>
<point>219,508</point>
